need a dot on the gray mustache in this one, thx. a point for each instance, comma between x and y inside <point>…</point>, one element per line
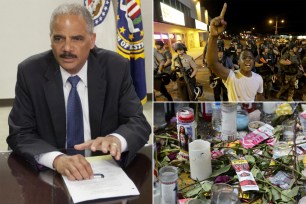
<point>68,55</point>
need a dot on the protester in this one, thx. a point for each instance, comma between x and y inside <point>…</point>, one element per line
<point>242,85</point>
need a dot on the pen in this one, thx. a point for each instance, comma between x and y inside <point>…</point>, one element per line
<point>98,175</point>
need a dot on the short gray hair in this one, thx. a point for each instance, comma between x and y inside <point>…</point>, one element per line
<point>73,9</point>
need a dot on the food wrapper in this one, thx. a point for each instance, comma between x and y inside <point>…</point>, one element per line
<point>284,109</point>
<point>257,136</point>
<point>281,179</point>
<point>215,154</point>
<point>245,176</point>
<point>233,144</point>
<point>271,142</point>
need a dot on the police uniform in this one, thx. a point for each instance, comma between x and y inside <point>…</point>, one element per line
<point>220,43</point>
<point>265,71</point>
<point>220,87</point>
<point>167,55</point>
<point>188,63</point>
<point>231,52</point>
<point>290,74</point>
<point>235,58</point>
<point>158,82</point>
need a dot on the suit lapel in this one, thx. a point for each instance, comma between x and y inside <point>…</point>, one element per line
<point>56,102</point>
<point>96,93</point>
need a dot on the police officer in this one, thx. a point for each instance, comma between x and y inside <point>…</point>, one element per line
<point>218,85</point>
<point>231,51</point>
<point>186,69</point>
<point>166,54</point>
<point>160,46</point>
<point>264,64</point>
<point>285,48</point>
<point>159,83</point>
<point>252,47</point>
<point>236,56</point>
<point>235,40</point>
<point>220,42</point>
<point>291,63</point>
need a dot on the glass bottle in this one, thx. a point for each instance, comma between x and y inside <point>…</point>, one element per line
<point>168,176</point>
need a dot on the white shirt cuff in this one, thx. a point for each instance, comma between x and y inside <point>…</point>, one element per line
<point>123,142</point>
<point>46,159</point>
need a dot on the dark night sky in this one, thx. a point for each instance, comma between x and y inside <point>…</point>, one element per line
<point>245,14</point>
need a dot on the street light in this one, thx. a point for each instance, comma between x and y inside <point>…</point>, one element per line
<point>276,23</point>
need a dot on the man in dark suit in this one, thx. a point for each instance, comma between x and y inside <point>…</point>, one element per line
<point>111,113</point>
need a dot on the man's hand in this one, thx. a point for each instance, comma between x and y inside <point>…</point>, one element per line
<point>106,144</point>
<point>74,167</point>
<point>218,25</point>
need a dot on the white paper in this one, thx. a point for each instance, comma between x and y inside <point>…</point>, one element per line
<point>114,184</point>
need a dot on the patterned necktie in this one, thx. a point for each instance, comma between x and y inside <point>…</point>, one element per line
<point>75,128</point>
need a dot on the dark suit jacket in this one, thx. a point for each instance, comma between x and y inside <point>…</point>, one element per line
<point>37,122</point>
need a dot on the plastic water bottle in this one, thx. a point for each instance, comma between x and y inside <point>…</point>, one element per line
<point>216,116</point>
<point>229,126</point>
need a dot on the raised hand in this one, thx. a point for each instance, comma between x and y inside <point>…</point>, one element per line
<point>218,25</point>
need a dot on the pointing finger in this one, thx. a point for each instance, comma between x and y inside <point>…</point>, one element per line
<point>83,146</point>
<point>222,14</point>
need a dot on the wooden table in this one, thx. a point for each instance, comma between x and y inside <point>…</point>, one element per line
<point>19,183</point>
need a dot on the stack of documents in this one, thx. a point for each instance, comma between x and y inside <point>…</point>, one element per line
<point>110,181</point>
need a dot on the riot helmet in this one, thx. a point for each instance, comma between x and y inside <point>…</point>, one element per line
<point>159,42</point>
<point>180,46</point>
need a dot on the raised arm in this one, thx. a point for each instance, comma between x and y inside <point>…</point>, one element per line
<point>217,26</point>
